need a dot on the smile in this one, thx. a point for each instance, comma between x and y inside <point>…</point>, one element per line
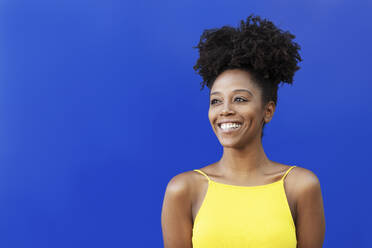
<point>229,127</point>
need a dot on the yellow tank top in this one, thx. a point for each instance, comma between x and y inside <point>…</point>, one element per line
<point>233,216</point>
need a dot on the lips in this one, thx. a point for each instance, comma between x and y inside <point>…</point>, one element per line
<point>228,121</point>
<point>229,130</point>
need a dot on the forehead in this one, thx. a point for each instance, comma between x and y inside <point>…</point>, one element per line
<point>230,80</point>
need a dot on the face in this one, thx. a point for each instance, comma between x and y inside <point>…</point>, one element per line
<point>236,99</point>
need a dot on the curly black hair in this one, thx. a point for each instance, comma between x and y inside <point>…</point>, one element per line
<point>257,46</point>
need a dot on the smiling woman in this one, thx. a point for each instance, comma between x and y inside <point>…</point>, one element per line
<point>244,199</point>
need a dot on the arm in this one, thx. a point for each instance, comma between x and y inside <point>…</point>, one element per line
<point>310,221</point>
<point>176,219</point>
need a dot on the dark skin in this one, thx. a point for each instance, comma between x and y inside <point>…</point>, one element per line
<point>234,96</point>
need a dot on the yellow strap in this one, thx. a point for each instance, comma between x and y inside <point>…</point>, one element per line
<point>203,174</point>
<point>288,171</point>
<point>281,179</point>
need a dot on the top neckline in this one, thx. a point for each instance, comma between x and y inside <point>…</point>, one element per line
<point>246,187</point>
<point>281,180</point>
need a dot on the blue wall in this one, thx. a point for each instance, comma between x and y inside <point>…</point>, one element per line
<point>100,107</point>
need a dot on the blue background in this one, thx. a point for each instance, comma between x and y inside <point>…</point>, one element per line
<point>100,107</point>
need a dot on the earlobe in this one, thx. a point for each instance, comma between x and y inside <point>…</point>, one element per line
<point>270,113</point>
<point>267,118</point>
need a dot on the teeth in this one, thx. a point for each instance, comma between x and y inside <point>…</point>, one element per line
<point>226,126</point>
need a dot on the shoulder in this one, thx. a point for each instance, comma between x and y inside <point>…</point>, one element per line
<point>179,183</point>
<point>304,181</point>
<point>176,217</point>
<point>304,177</point>
<point>185,187</point>
<point>310,219</point>
<point>182,184</point>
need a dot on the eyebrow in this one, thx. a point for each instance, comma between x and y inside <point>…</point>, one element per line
<point>217,92</point>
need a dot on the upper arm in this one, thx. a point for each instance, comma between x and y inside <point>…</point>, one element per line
<point>176,220</point>
<point>310,221</point>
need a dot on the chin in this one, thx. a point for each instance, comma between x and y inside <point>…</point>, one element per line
<point>231,144</point>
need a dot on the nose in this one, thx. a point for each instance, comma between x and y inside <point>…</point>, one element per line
<point>226,110</point>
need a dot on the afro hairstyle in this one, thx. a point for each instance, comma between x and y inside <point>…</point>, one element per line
<point>268,53</point>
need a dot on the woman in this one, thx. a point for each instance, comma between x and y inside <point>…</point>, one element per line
<point>244,199</point>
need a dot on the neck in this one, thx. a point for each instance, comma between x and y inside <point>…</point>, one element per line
<point>246,161</point>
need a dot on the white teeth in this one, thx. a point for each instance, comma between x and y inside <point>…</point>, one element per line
<point>226,126</point>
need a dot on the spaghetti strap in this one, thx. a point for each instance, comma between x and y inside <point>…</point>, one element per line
<point>288,171</point>
<point>203,174</point>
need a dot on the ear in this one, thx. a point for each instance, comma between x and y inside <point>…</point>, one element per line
<point>269,111</point>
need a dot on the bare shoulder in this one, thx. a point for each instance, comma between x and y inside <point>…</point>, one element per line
<point>310,219</point>
<point>184,184</point>
<point>303,179</point>
<point>180,183</point>
<point>305,176</point>
<point>176,218</point>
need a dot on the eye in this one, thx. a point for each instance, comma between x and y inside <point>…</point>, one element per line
<point>243,100</point>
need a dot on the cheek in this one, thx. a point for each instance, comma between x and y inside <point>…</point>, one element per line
<point>210,115</point>
<point>251,116</point>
